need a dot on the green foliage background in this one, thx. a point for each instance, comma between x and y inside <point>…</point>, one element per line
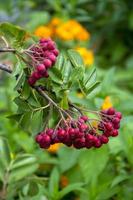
<point>100,174</point>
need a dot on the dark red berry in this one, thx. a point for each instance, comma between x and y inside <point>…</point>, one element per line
<point>79,143</point>
<point>116,120</point>
<point>31,81</point>
<point>111,111</point>
<point>61,134</point>
<point>55,52</point>
<point>108,126</point>
<point>38,138</point>
<point>114,133</point>
<point>45,142</point>
<point>104,139</point>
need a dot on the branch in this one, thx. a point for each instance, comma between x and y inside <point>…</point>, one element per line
<point>7,50</point>
<point>5,68</point>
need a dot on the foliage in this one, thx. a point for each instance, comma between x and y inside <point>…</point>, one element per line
<point>31,173</point>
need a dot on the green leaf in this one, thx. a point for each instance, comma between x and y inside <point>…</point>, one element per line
<point>60,61</point>
<point>66,154</point>
<point>92,78</point>
<point>14,34</point>
<point>23,166</point>
<point>26,90</point>
<point>22,105</point>
<point>77,74</point>
<point>54,182</point>
<point>70,188</point>
<point>75,58</point>
<point>36,124</point>
<point>5,157</point>
<point>55,75</point>
<point>93,88</point>
<point>64,101</point>
<point>93,162</point>
<point>66,71</point>
<point>20,80</point>
<point>26,120</point>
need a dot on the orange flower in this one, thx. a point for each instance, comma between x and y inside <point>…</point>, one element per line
<point>86,54</point>
<point>54,23</point>
<point>64,181</point>
<point>72,30</point>
<point>43,31</point>
<point>107,103</point>
<point>54,148</point>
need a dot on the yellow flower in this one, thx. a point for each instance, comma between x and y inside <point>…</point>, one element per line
<point>55,21</point>
<point>54,148</point>
<point>53,24</point>
<point>43,31</point>
<point>86,54</point>
<point>107,103</point>
<point>72,30</point>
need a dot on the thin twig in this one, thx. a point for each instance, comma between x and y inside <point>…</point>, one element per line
<point>7,50</point>
<point>5,68</point>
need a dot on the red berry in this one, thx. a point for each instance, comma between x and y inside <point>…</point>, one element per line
<point>55,52</point>
<point>83,127</point>
<point>31,81</point>
<point>71,132</point>
<point>104,139</point>
<point>85,118</point>
<point>61,134</point>
<point>114,133</point>
<point>108,126</point>
<point>52,57</point>
<point>45,142</point>
<point>51,45</point>
<point>41,68</point>
<point>89,137</point>
<point>47,63</point>
<point>45,74</point>
<point>111,111</point>
<point>36,75</point>
<point>38,138</point>
<point>97,142</point>
<point>50,132</point>
<point>116,120</point>
<point>119,115</point>
<point>79,143</point>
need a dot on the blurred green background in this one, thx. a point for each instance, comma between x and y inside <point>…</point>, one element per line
<point>105,173</point>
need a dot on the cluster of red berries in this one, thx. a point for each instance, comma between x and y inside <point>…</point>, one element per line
<point>80,133</point>
<point>43,57</point>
